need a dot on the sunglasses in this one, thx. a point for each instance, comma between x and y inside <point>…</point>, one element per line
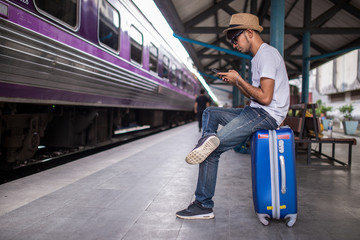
<point>234,38</point>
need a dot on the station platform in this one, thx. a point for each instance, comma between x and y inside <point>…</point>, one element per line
<point>133,191</point>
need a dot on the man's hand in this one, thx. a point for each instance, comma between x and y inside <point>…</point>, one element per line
<point>229,77</point>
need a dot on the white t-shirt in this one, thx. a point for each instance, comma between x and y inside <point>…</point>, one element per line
<point>269,63</point>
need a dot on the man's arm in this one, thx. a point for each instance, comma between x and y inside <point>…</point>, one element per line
<point>195,107</point>
<point>243,90</point>
<point>262,94</point>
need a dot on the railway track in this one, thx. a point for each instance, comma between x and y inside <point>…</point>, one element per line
<point>49,158</point>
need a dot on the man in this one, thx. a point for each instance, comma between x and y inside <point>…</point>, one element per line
<point>269,96</point>
<point>201,102</point>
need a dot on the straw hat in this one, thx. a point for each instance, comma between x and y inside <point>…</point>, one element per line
<point>244,21</point>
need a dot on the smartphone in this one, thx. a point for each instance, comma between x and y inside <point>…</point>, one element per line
<point>214,70</point>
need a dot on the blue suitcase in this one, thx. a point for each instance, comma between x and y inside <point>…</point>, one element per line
<point>274,176</point>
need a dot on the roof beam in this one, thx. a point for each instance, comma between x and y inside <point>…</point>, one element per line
<point>216,43</point>
<point>207,13</point>
<point>288,30</point>
<point>348,7</point>
<point>222,56</point>
<point>264,8</point>
<point>216,25</point>
<point>322,31</point>
<point>205,58</point>
<point>291,8</point>
<point>229,10</point>
<point>169,12</point>
<point>292,48</point>
<point>245,5</point>
<point>210,64</point>
<point>297,66</point>
<point>317,22</point>
<point>326,16</point>
<point>253,7</point>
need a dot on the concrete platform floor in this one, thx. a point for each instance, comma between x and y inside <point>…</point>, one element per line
<point>133,192</point>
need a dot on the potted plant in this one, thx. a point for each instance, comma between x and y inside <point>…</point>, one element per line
<point>321,112</point>
<point>349,125</point>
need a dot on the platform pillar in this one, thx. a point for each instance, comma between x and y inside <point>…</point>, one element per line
<point>277,25</point>
<point>306,53</point>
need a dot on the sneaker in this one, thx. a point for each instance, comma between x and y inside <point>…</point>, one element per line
<point>196,211</point>
<point>203,149</point>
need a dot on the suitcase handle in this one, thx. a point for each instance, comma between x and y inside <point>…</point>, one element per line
<point>283,174</point>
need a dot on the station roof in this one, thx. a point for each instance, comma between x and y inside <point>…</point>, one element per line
<point>334,26</point>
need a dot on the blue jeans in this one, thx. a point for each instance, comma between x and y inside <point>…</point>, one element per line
<point>239,124</point>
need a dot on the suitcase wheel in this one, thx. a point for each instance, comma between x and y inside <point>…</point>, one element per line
<point>264,218</point>
<point>290,219</point>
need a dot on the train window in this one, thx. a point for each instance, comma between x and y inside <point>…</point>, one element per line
<point>165,67</point>
<point>190,87</point>
<point>65,10</point>
<point>136,40</point>
<point>184,83</point>
<point>109,23</point>
<point>153,61</point>
<point>179,78</point>
<point>173,75</point>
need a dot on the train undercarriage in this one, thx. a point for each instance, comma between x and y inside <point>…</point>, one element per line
<point>26,128</point>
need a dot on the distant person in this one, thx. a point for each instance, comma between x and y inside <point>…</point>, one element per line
<point>201,103</point>
<point>269,94</point>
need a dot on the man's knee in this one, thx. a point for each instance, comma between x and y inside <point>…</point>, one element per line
<point>209,109</point>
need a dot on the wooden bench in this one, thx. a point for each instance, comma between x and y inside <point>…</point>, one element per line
<point>301,126</point>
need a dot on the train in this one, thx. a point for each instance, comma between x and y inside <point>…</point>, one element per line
<point>74,72</point>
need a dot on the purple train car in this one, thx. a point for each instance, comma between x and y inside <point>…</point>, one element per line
<point>72,72</point>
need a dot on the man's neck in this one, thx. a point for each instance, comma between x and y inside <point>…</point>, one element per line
<point>255,46</point>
